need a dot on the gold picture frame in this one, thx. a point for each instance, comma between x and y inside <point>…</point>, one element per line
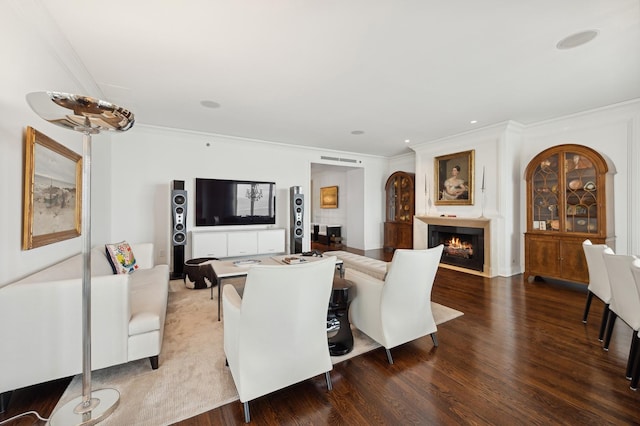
<point>329,197</point>
<point>52,201</point>
<point>454,178</point>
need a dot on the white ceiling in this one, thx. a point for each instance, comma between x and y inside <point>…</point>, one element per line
<point>311,72</point>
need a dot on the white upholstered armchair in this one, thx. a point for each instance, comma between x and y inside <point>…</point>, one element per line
<point>276,334</point>
<point>398,309</point>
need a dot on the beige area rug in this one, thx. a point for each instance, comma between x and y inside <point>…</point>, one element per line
<point>192,377</point>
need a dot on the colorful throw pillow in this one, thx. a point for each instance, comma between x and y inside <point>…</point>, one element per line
<point>121,258</point>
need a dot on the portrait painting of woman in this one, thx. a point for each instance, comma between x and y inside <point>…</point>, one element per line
<point>454,178</point>
<point>454,187</point>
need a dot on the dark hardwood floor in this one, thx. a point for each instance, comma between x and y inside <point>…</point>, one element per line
<point>519,355</point>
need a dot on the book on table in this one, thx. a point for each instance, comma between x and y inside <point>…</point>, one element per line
<point>293,260</point>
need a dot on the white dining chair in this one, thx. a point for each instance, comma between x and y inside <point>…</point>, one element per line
<point>598,281</point>
<point>625,300</point>
<point>635,369</point>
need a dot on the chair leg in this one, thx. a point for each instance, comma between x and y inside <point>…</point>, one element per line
<point>587,306</point>
<point>610,323</point>
<point>154,362</point>
<point>603,324</point>
<point>435,339</point>
<point>327,377</point>
<point>247,416</point>
<point>5,397</point>
<point>632,355</point>
<point>635,371</point>
<point>389,357</point>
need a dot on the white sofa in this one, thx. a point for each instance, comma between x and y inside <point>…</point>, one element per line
<point>41,318</point>
<point>373,267</point>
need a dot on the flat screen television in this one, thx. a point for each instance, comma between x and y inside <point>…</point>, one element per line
<point>234,202</point>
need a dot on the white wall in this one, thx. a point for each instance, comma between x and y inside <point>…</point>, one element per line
<point>355,206</point>
<point>402,163</point>
<point>146,160</point>
<point>350,212</point>
<point>325,178</point>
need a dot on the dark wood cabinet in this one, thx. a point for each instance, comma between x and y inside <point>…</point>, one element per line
<point>569,200</point>
<point>400,208</point>
<point>557,256</point>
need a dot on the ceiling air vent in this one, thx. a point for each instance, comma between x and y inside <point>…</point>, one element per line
<point>344,160</point>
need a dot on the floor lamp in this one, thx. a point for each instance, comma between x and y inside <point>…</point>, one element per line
<point>88,116</point>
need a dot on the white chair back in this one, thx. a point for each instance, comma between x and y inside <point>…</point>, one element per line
<point>405,306</point>
<point>635,271</point>
<point>281,332</point>
<point>598,277</point>
<point>625,299</point>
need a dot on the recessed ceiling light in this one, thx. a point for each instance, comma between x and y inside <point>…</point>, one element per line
<point>577,39</point>
<point>210,104</point>
<point>357,132</point>
<point>407,140</point>
<point>473,121</point>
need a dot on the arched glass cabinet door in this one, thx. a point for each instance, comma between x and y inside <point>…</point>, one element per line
<point>566,186</point>
<point>582,185</point>
<point>400,208</point>
<point>545,194</point>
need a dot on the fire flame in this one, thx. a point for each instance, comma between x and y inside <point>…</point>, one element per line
<point>457,244</point>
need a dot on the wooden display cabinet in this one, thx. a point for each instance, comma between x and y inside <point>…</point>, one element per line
<point>569,199</point>
<point>400,208</point>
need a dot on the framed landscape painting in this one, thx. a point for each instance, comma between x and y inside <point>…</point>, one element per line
<point>454,178</point>
<point>52,205</point>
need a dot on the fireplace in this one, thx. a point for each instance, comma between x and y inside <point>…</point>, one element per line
<point>479,261</point>
<point>463,246</point>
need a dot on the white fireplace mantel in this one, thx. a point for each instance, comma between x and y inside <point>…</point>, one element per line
<point>421,236</point>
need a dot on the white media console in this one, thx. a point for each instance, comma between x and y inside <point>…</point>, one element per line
<point>239,243</point>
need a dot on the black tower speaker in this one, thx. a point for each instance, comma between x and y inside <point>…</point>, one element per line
<point>179,228</point>
<point>297,219</point>
<point>179,212</point>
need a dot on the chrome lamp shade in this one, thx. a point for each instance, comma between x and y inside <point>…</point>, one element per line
<point>80,113</point>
